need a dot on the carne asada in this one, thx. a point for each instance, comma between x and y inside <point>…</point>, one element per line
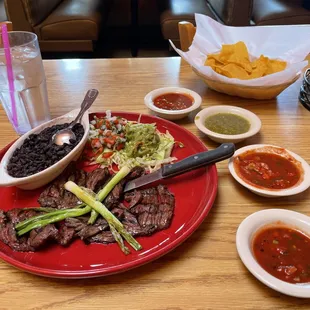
<point>141,212</point>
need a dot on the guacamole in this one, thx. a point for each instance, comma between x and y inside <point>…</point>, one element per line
<point>142,140</point>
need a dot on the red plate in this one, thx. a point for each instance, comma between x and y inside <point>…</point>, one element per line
<point>194,194</point>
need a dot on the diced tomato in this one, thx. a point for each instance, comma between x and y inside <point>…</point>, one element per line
<point>109,141</point>
<point>97,153</point>
<point>99,123</point>
<point>95,143</point>
<point>116,122</point>
<point>108,124</point>
<point>120,146</point>
<point>107,154</point>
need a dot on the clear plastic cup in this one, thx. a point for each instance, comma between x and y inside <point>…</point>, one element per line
<point>29,82</point>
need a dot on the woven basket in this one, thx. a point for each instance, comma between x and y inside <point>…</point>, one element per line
<point>252,92</point>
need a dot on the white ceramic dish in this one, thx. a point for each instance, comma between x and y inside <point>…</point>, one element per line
<point>298,188</point>
<point>41,178</point>
<point>221,138</point>
<point>171,114</point>
<point>245,234</point>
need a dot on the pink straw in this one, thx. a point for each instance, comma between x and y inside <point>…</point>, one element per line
<point>9,69</point>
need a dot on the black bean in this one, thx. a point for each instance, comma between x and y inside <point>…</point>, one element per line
<point>38,152</point>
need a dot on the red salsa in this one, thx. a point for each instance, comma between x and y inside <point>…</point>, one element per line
<point>173,101</point>
<point>284,253</point>
<point>267,170</point>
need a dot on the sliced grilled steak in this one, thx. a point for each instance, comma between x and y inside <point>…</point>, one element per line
<point>77,223</point>
<point>136,230</point>
<point>140,208</point>
<point>114,197</point>
<point>159,220</point>
<point>149,196</point>
<point>155,212</point>
<point>56,196</point>
<point>149,210</point>
<point>18,215</point>
<point>133,198</point>
<point>102,237</point>
<point>8,236</point>
<point>3,219</point>
<point>91,230</point>
<point>97,178</point>
<point>82,229</point>
<point>39,237</point>
<point>65,235</point>
<point>135,173</point>
<point>165,197</point>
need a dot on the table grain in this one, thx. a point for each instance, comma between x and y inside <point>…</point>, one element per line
<point>205,272</point>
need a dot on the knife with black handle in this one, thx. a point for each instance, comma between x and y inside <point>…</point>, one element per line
<point>192,162</point>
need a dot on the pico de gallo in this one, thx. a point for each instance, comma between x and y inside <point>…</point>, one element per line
<point>106,135</point>
<point>117,141</point>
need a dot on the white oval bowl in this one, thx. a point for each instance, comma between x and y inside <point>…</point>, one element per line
<point>47,175</point>
<point>244,238</point>
<point>302,186</point>
<point>254,120</point>
<point>171,114</point>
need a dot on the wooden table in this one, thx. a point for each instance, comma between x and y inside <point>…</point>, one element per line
<point>205,272</point>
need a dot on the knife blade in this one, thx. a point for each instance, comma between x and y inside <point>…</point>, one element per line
<point>192,162</point>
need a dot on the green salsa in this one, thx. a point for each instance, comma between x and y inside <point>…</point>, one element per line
<point>227,124</point>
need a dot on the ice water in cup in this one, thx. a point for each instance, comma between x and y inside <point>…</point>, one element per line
<point>29,82</point>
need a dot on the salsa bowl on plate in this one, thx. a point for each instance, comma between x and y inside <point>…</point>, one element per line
<point>286,249</point>
<point>172,103</point>
<point>269,170</point>
<point>222,123</point>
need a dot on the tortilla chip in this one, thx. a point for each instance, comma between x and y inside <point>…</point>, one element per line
<point>216,58</point>
<point>260,67</point>
<point>237,54</point>
<point>234,61</point>
<point>276,66</point>
<point>233,71</point>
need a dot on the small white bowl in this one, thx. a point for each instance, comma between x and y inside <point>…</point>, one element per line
<point>45,176</point>
<point>298,188</point>
<point>244,238</point>
<point>254,120</point>
<point>171,114</point>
